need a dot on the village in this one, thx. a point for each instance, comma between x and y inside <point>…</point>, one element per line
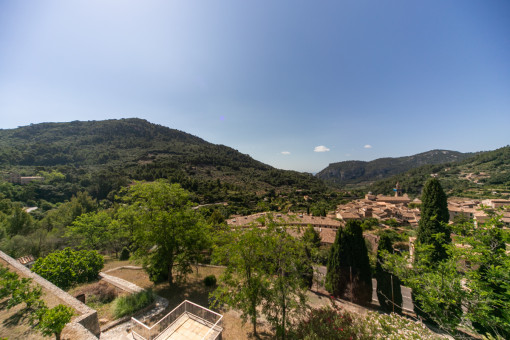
<point>399,209</point>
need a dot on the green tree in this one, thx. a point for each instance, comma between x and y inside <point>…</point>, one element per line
<point>89,230</point>
<point>389,293</point>
<point>216,219</point>
<point>311,238</point>
<point>68,267</point>
<point>264,269</point>
<point>168,234</point>
<point>53,321</point>
<point>436,290</point>
<point>19,291</point>
<point>432,228</point>
<point>285,298</point>
<point>349,272</point>
<point>244,282</point>
<point>488,275</point>
<point>20,223</point>
<point>432,242</point>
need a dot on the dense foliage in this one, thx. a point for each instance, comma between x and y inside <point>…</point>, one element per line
<point>17,291</point>
<point>474,279</point>
<point>129,304</point>
<point>433,227</point>
<point>264,274</point>
<point>68,267</point>
<point>54,320</point>
<point>349,272</point>
<point>336,324</point>
<point>326,323</point>
<point>101,157</point>
<point>389,293</point>
<point>168,234</point>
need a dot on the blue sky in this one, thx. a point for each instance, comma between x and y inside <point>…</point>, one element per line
<point>295,84</point>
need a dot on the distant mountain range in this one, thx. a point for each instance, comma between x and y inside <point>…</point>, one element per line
<point>484,174</point>
<point>357,173</point>
<point>101,157</point>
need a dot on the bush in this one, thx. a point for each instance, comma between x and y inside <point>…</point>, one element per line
<point>68,267</point>
<point>326,323</point>
<point>393,327</point>
<point>335,324</point>
<point>210,281</point>
<point>129,304</point>
<point>124,254</point>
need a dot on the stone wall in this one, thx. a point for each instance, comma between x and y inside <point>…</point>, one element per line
<point>87,316</point>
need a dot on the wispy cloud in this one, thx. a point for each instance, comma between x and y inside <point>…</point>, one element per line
<point>285,153</point>
<point>321,148</point>
<point>368,146</point>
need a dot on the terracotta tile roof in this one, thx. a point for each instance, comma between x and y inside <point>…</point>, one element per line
<point>289,219</point>
<point>26,259</point>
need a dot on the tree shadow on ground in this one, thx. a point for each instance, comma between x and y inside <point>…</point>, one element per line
<point>192,290</point>
<point>17,318</point>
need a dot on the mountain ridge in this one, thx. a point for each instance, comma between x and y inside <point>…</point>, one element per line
<point>484,174</point>
<point>346,173</point>
<point>101,157</point>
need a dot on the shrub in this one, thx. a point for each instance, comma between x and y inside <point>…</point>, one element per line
<point>68,267</point>
<point>335,324</point>
<point>326,323</point>
<point>393,327</point>
<point>210,281</point>
<point>129,304</point>
<point>124,254</point>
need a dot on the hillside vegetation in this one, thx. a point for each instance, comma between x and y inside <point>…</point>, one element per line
<point>486,174</point>
<point>101,157</point>
<point>355,173</point>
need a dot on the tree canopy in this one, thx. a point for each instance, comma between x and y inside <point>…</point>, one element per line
<point>433,229</point>
<point>349,273</point>
<point>389,293</point>
<point>167,234</point>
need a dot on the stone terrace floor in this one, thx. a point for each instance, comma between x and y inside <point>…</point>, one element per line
<point>188,327</point>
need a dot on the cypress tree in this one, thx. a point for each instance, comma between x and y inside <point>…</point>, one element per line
<point>434,219</point>
<point>389,299</point>
<point>349,273</point>
<point>433,222</point>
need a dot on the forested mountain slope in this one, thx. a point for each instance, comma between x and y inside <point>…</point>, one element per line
<point>360,172</point>
<point>486,174</point>
<point>103,156</point>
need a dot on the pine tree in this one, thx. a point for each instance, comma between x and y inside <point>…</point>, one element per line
<point>433,229</point>
<point>349,274</point>
<point>388,285</point>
